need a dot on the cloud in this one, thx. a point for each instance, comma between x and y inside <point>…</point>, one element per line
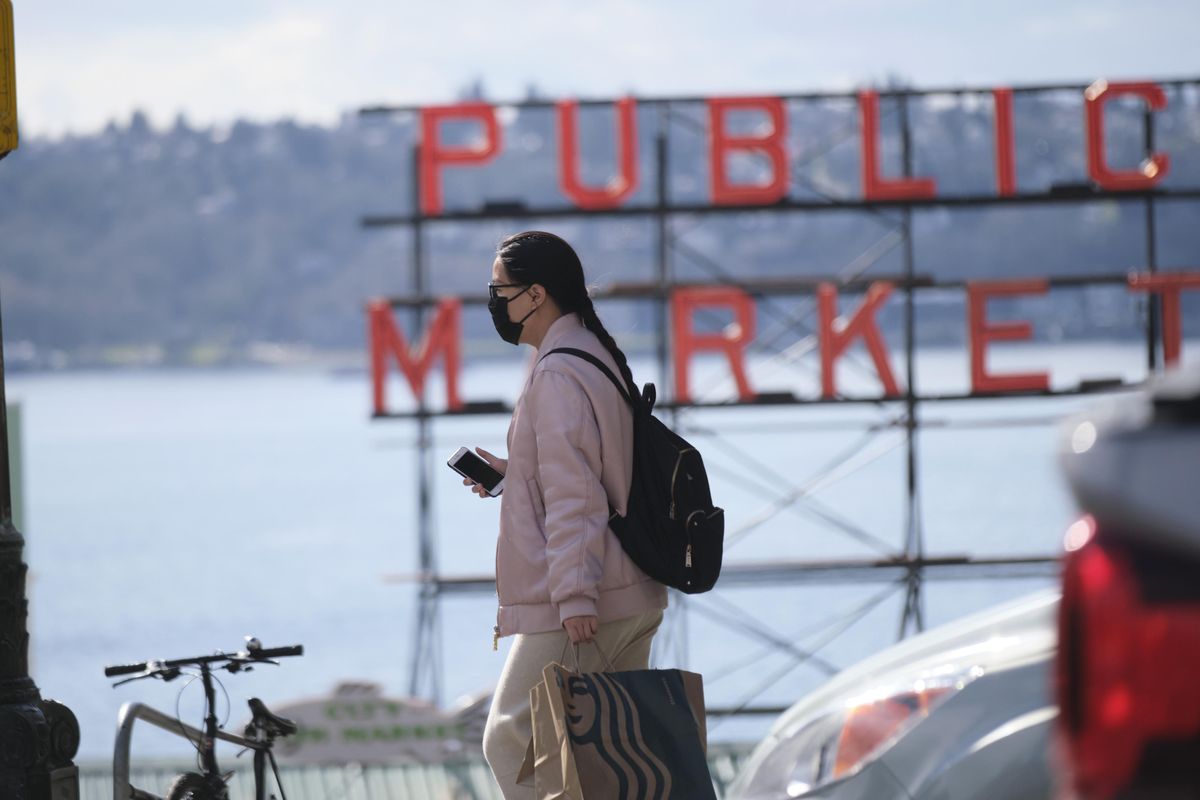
<point>209,74</point>
<point>315,60</point>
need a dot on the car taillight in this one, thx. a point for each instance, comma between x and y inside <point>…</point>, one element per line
<point>1128,669</point>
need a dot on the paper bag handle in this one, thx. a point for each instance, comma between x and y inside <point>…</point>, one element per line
<point>603,655</point>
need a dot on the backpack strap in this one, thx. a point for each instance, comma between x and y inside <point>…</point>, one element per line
<point>586,356</point>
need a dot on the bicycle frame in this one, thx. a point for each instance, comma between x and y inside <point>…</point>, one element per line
<point>208,752</point>
<point>129,715</point>
<point>258,737</point>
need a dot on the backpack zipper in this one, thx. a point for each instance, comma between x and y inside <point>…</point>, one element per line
<point>687,554</point>
<point>687,561</point>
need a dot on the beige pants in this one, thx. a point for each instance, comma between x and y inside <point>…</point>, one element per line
<point>626,642</point>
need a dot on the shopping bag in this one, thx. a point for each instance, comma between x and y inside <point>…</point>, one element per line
<point>635,735</point>
<point>548,767</point>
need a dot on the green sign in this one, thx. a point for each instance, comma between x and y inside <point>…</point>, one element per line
<point>358,724</point>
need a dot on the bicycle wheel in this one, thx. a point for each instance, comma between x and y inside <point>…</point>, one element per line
<point>194,786</point>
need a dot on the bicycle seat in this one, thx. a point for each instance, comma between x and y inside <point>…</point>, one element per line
<point>276,726</point>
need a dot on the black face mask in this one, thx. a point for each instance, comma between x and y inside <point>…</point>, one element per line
<point>498,307</point>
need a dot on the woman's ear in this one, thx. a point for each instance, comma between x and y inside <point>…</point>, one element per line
<point>537,293</point>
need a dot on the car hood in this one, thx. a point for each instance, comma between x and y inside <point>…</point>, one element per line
<point>1005,636</point>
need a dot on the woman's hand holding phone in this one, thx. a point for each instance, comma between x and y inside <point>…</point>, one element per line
<point>495,462</point>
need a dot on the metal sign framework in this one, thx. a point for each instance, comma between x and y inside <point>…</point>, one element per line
<point>904,569</point>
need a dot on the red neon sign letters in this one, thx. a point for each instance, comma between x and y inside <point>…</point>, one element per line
<point>1006,157</point>
<point>772,143</point>
<point>434,155</point>
<point>836,338</point>
<point>621,186</point>
<point>722,143</point>
<point>768,143</point>
<point>443,337</point>
<point>874,185</point>
<point>1153,169</point>
<point>981,333</point>
<point>732,342</point>
<point>836,334</point>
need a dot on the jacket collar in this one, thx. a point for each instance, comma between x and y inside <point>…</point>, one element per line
<point>559,330</point>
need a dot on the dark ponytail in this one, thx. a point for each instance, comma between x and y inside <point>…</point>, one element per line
<point>593,324</point>
<point>539,257</point>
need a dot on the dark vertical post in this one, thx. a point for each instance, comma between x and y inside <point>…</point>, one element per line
<point>21,721</point>
<point>1152,300</point>
<point>426,661</point>
<point>914,545</point>
<point>38,738</point>
<point>663,318</point>
<point>664,244</point>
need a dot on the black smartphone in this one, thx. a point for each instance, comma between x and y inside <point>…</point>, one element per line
<point>472,467</point>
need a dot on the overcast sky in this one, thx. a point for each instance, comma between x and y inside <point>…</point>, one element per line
<point>81,63</point>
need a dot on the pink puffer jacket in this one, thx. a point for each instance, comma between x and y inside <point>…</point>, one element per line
<point>570,454</point>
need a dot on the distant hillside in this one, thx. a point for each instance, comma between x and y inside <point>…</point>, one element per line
<point>194,245</point>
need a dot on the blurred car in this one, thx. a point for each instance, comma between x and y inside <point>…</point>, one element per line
<point>1128,672</point>
<point>970,709</point>
<point>961,711</point>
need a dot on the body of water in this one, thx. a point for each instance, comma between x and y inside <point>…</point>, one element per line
<point>170,513</point>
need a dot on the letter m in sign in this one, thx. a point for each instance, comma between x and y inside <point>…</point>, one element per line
<point>387,340</point>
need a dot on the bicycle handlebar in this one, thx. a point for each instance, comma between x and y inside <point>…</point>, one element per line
<point>124,669</point>
<point>280,652</point>
<point>260,654</point>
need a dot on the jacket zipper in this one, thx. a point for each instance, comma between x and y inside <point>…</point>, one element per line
<point>496,627</point>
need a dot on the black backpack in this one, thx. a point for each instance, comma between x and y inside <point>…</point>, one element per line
<point>671,529</point>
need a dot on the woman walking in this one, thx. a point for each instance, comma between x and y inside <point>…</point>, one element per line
<point>561,574</point>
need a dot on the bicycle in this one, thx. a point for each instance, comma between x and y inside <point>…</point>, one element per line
<point>259,735</point>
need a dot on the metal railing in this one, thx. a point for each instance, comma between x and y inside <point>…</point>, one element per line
<point>130,713</point>
<point>466,780</point>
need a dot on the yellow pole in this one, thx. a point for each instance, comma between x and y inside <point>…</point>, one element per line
<point>8,81</point>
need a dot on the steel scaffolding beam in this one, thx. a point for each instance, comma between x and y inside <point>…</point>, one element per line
<point>906,568</point>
